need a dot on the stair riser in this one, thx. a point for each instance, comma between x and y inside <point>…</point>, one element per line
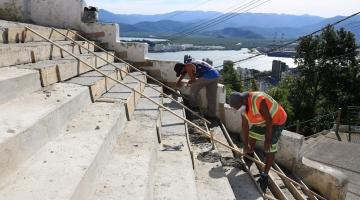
<point>86,187</point>
<point>133,99</point>
<point>19,35</point>
<point>12,88</point>
<point>101,61</point>
<point>69,70</point>
<point>17,149</point>
<point>103,85</point>
<point>15,55</point>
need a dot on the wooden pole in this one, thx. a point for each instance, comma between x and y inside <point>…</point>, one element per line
<point>204,132</point>
<point>131,66</point>
<point>152,87</point>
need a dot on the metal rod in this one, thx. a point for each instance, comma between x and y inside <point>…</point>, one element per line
<point>127,73</point>
<point>276,190</point>
<point>338,119</point>
<point>131,66</point>
<point>231,143</point>
<point>295,192</point>
<point>170,111</point>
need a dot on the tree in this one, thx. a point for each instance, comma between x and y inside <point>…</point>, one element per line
<point>230,78</point>
<point>329,74</point>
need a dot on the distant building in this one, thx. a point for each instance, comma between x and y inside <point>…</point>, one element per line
<point>278,67</point>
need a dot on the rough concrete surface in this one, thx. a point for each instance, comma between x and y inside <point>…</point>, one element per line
<point>241,183</point>
<point>16,82</point>
<point>174,175</point>
<point>29,122</point>
<point>98,83</point>
<point>339,155</point>
<point>67,164</point>
<point>129,173</point>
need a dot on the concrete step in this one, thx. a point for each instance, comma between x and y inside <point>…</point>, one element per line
<point>14,32</point>
<point>97,83</point>
<point>211,179</point>
<point>66,167</point>
<point>17,82</point>
<point>29,122</point>
<point>234,180</point>
<point>57,70</point>
<point>129,173</point>
<point>23,53</point>
<point>120,93</point>
<point>174,174</point>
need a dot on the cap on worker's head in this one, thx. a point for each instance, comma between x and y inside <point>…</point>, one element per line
<point>179,67</point>
<point>189,60</point>
<point>236,99</point>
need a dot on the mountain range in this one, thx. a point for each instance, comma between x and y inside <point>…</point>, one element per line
<point>244,25</point>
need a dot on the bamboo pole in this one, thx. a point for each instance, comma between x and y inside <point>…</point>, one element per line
<point>152,87</point>
<point>227,136</point>
<point>172,112</point>
<point>131,66</point>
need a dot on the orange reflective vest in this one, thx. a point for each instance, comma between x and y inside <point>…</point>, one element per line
<point>253,114</point>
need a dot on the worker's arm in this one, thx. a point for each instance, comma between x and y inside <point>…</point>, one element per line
<point>190,70</point>
<point>264,110</point>
<point>178,83</point>
<point>245,132</point>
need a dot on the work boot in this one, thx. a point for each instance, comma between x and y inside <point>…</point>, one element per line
<point>263,181</point>
<point>249,162</point>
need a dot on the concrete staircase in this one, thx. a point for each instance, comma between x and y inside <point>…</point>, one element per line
<point>67,132</point>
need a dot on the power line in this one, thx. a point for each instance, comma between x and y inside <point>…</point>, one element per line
<point>294,41</point>
<point>267,75</point>
<point>200,23</point>
<point>226,17</point>
<point>222,18</point>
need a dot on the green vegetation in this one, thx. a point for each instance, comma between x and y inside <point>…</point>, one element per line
<point>230,78</point>
<point>329,79</point>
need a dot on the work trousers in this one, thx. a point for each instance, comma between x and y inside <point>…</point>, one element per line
<point>211,91</point>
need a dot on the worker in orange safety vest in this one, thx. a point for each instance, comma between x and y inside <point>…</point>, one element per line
<point>267,118</point>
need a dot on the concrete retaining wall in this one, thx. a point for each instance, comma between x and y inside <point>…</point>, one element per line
<point>330,182</point>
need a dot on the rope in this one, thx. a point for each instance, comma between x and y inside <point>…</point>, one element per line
<point>313,119</point>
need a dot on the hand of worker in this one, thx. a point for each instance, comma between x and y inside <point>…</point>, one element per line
<point>246,149</point>
<point>179,84</point>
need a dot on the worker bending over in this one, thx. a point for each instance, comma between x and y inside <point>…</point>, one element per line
<point>267,118</point>
<point>202,75</point>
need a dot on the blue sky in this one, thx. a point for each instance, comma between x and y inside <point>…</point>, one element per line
<point>325,8</point>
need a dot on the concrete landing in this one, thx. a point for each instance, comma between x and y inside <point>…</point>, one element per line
<point>174,174</point>
<point>65,167</point>
<point>339,155</point>
<point>129,173</point>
